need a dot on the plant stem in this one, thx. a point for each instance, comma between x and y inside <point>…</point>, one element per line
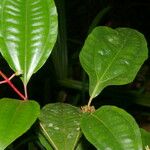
<point>90,101</point>
<point>1,82</point>
<point>7,80</point>
<point>25,92</point>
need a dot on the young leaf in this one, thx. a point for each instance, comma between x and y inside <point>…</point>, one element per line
<point>111,128</point>
<point>60,124</point>
<point>16,117</point>
<point>28,31</point>
<point>112,57</point>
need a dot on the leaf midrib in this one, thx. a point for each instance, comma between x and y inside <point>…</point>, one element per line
<point>100,80</point>
<point>49,138</point>
<point>96,117</point>
<point>42,49</point>
<point>26,42</point>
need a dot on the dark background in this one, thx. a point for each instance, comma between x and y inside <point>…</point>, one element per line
<point>52,82</point>
<point>62,79</point>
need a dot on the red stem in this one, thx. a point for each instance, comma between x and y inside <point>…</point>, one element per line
<point>7,80</point>
<point>4,81</point>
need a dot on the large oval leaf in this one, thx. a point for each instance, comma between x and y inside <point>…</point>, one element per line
<point>112,57</point>
<point>60,124</point>
<point>16,117</point>
<point>28,31</point>
<point>111,128</point>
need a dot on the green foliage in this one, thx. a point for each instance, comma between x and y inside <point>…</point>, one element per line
<point>16,117</point>
<point>44,142</point>
<point>60,124</point>
<point>111,128</point>
<point>145,138</point>
<point>112,57</point>
<point>28,31</point>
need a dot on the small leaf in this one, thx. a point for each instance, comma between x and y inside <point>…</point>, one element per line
<point>145,138</point>
<point>112,57</point>
<point>60,124</point>
<point>111,128</point>
<point>28,31</point>
<point>16,117</point>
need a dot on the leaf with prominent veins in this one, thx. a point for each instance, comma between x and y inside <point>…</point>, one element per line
<point>28,31</point>
<point>60,125</point>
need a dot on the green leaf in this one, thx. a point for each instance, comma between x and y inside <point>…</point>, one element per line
<point>44,142</point>
<point>28,31</point>
<point>16,117</point>
<point>60,124</point>
<point>145,138</point>
<point>112,57</point>
<point>111,128</point>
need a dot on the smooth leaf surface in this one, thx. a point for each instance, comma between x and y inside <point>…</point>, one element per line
<point>112,57</point>
<point>111,128</point>
<point>60,124</point>
<point>28,31</point>
<point>145,138</point>
<point>16,117</point>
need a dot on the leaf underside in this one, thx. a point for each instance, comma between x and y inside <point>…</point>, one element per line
<point>28,31</point>
<point>60,124</point>
<point>112,57</point>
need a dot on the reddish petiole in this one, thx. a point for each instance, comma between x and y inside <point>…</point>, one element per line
<point>8,80</point>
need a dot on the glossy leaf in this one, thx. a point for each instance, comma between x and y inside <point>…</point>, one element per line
<point>16,117</point>
<point>145,138</point>
<point>111,128</point>
<point>60,124</point>
<point>112,57</point>
<point>28,31</point>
